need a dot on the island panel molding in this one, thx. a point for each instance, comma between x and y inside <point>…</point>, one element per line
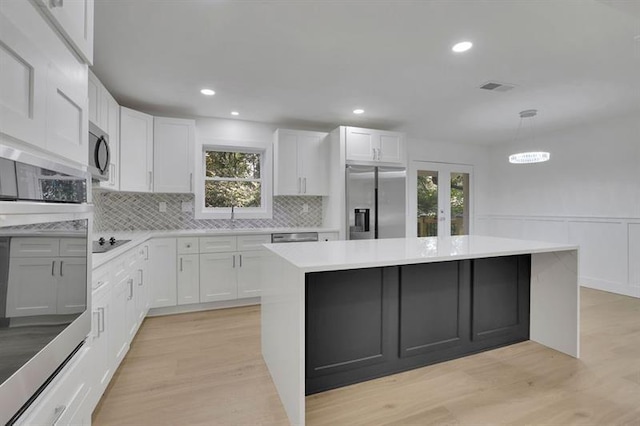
<point>554,297</point>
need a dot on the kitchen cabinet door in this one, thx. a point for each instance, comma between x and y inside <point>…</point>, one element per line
<point>218,279</point>
<point>173,147</point>
<point>31,287</point>
<point>131,312</point>
<point>23,86</point>
<point>313,163</point>
<point>117,321</point>
<point>94,93</point>
<point>188,279</point>
<point>142,286</point>
<point>361,144</point>
<point>71,285</point>
<point>250,270</point>
<point>101,363</point>
<point>286,180</point>
<point>74,19</point>
<point>136,151</point>
<point>162,272</point>
<point>67,110</point>
<point>391,147</point>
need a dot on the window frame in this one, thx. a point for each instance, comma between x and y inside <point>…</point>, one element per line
<point>262,212</point>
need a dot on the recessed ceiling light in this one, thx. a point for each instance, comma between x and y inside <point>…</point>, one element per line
<point>463,46</point>
<point>207,92</point>
<point>235,113</point>
<point>358,111</point>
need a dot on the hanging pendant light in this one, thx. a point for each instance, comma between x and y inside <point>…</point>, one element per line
<point>530,156</point>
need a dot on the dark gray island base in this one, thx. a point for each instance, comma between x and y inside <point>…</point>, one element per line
<point>372,322</point>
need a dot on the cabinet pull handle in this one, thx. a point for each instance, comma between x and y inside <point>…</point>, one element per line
<point>101,322</point>
<point>240,260</point>
<point>58,412</point>
<point>150,181</point>
<point>96,313</point>
<point>146,252</point>
<point>61,263</point>
<point>234,260</point>
<point>180,264</point>
<point>141,277</point>
<point>299,184</point>
<point>190,182</point>
<point>53,266</point>
<point>304,181</point>
<point>130,289</point>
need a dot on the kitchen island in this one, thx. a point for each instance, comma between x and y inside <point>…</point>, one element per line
<point>335,313</point>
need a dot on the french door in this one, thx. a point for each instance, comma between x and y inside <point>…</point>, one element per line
<point>441,199</point>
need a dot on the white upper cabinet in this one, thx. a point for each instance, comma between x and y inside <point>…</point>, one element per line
<point>136,151</point>
<point>94,93</point>
<point>173,147</point>
<point>300,163</point>
<point>374,146</point>
<point>67,123</point>
<point>74,20</point>
<point>23,83</point>
<point>43,86</point>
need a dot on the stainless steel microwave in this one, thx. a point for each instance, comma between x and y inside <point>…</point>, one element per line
<point>99,153</point>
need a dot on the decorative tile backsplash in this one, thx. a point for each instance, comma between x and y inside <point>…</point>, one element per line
<point>118,211</point>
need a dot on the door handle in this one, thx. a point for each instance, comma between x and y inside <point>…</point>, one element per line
<point>240,256</point>
<point>299,185</point>
<point>141,277</point>
<point>53,267</point>
<point>304,181</point>
<point>58,412</point>
<point>101,322</point>
<point>130,289</point>
<point>181,264</point>
<point>61,263</point>
<point>190,182</point>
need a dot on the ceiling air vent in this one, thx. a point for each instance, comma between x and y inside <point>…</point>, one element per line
<point>494,86</point>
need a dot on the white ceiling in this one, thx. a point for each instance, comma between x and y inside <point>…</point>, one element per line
<point>308,64</point>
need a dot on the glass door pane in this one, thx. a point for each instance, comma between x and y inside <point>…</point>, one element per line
<point>427,203</point>
<point>459,203</point>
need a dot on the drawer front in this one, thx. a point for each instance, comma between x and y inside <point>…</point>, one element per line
<point>73,247</point>
<point>132,258</point>
<point>253,242</point>
<point>219,244</point>
<point>188,245</point>
<point>63,396</point>
<point>35,247</point>
<point>118,267</point>
<point>101,277</point>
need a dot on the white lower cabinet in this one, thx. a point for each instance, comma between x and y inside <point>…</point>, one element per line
<point>250,272</point>
<point>102,363</point>
<point>162,272</point>
<point>118,336</point>
<point>218,277</point>
<point>188,279</point>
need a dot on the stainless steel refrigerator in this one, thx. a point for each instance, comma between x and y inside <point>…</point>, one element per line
<point>375,202</point>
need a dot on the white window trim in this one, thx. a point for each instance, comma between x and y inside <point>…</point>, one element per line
<point>263,212</point>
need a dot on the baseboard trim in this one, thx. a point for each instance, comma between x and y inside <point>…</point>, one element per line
<point>611,287</point>
<point>197,307</point>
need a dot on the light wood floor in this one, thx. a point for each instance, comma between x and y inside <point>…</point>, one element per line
<point>206,369</point>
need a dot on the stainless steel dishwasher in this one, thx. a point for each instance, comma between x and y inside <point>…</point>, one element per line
<point>294,237</point>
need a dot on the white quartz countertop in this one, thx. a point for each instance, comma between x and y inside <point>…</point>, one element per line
<point>337,255</point>
<point>139,237</point>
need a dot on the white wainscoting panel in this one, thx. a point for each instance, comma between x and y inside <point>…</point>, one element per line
<point>555,231</point>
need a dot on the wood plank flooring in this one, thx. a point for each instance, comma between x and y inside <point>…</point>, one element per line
<point>206,369</point>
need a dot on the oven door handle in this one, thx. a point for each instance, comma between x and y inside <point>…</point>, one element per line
<point>96,155</point>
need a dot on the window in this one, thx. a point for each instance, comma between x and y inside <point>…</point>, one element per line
<point>234,177</point>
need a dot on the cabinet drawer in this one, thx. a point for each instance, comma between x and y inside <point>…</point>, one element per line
<point>188,245</point>
<point>73,247</point>
<point>100,277</point>
<point>252,242</point>
<point>218,244</point>
<point>64,395</point>
<point>34,247</point>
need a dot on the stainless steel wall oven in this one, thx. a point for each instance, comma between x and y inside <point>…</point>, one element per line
<point>45,264</point>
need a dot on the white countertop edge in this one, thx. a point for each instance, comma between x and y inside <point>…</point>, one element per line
<point>307,266</point>
<point>139,237</point>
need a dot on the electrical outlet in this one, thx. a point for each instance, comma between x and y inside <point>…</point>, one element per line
<point>162,206</point>
<point>187,206</point>
<point>305,208</point>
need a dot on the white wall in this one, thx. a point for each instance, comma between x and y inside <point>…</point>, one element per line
<point>233,132</point>
<point>587,194</point>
